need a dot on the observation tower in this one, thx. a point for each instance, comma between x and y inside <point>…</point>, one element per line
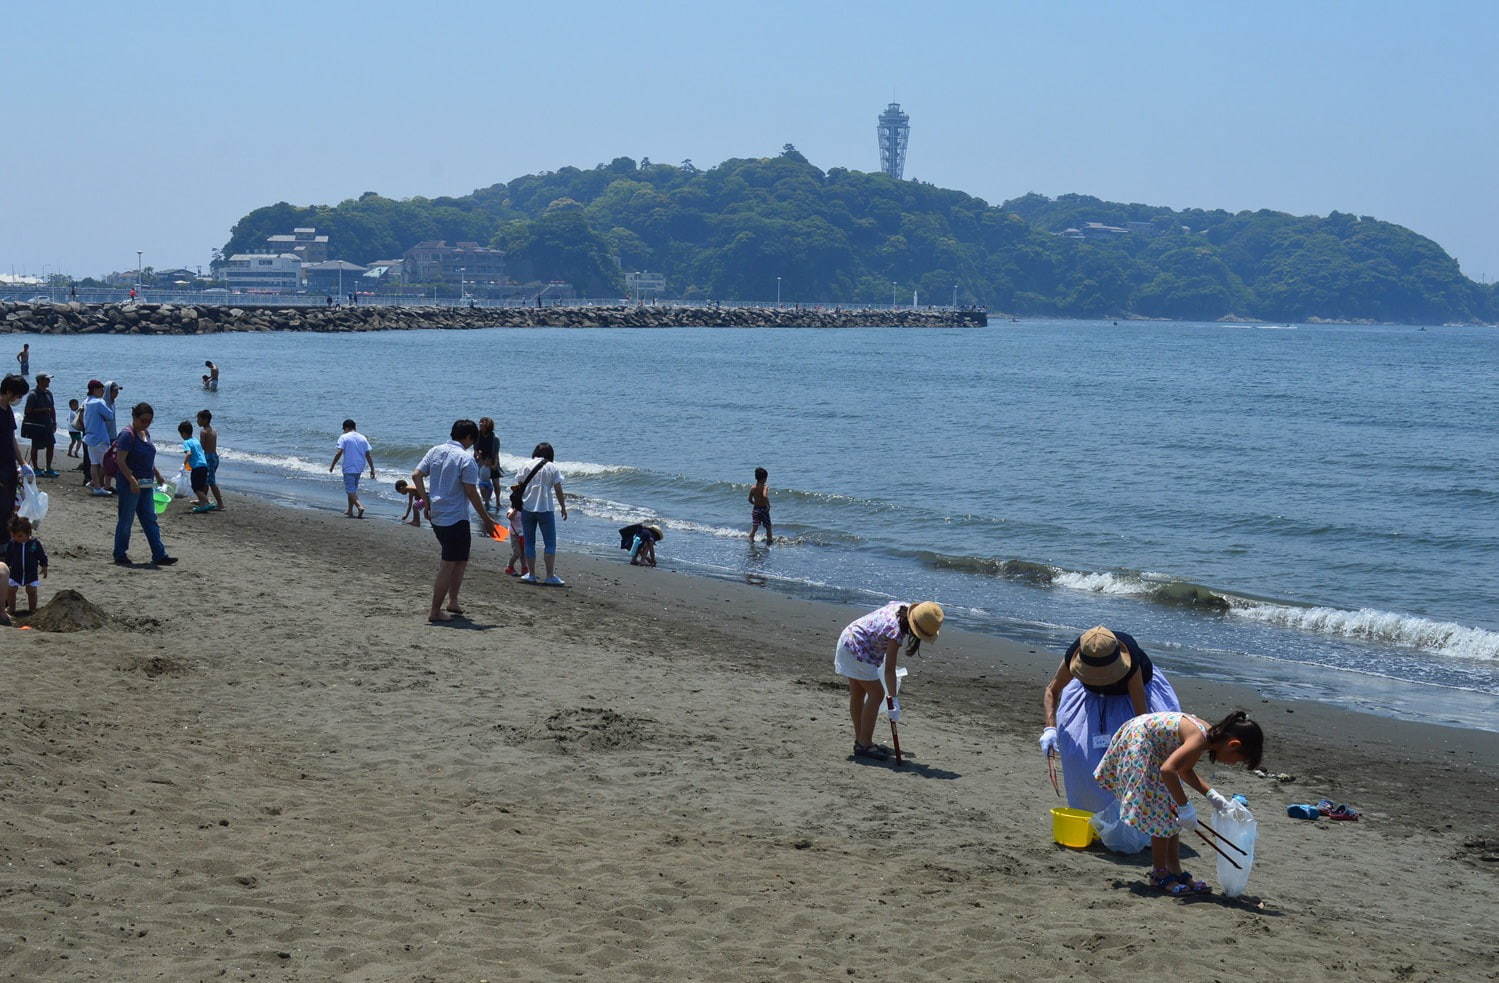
<point>894,131</point>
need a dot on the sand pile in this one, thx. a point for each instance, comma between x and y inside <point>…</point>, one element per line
<point>68,611</point>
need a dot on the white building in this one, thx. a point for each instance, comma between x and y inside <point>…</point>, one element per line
<point>263,273</point>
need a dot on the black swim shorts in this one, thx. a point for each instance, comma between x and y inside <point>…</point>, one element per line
<point>456,541</point>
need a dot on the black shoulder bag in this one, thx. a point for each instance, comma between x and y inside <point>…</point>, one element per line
<point>519,490</point>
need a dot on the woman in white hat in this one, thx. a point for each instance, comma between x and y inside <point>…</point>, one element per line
<point>1104,680</point>
<point>866,655</point>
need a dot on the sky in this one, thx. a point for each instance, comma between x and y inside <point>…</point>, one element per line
<point>155,126</point>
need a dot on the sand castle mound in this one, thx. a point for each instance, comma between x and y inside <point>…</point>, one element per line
<point>68,611</point>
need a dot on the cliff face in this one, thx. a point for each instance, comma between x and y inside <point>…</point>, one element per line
<point>75,318</point>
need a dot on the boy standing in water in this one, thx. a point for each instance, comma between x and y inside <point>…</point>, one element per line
<point>209,437</point>
<point>356,452</point>
<point>759,499</point>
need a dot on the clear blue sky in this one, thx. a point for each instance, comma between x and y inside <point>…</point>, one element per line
<point>154,126</point>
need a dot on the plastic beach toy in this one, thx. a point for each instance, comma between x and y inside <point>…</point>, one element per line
<point>1071,827</point>
<point>500,533</point>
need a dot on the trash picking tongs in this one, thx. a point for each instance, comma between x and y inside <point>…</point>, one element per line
<point>1204,826</point>
<point>1051,771</point>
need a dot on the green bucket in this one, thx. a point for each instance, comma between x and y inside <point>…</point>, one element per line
<point>162,500</point>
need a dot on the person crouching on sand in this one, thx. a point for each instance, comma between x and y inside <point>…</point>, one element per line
<point>1145,767</point>
<point>414,503</point>
<point>866,656</point>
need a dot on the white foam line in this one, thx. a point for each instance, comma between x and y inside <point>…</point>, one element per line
<point>1441,637</point>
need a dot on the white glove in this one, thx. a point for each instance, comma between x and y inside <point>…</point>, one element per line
<point>892,710</point>
<point>1186,817</point>
<point>1220,804</point>
<point>1048,741</point>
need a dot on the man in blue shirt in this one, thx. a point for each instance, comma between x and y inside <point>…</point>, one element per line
<point>453,488</point>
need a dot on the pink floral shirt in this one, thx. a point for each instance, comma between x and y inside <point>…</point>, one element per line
<point>867,637</point>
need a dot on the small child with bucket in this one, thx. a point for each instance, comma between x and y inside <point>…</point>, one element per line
<point>866,656</point>
<point>1149,760</point>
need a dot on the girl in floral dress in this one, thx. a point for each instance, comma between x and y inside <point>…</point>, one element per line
<point>1145,767</point>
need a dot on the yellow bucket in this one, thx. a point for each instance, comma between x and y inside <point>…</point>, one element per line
<point>1070,827</point>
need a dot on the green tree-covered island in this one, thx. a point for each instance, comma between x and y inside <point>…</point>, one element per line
<point>726,233</point>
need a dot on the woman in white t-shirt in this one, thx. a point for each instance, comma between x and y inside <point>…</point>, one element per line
<point>541,494</point>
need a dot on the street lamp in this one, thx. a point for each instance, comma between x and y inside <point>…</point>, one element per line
<point>955,296</point>
<point>778,291</point>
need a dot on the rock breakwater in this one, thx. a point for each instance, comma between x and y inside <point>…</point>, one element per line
<point>75,318</point>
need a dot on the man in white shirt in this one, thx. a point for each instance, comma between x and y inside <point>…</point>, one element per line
<point>454,486</point>
<point>355,450</point>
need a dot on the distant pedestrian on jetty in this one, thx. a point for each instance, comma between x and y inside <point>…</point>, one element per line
<point>866,656</point>
<point>454,487</point>
<point>1146,766</point>
<point>209,435</point>
<point>39,425</point>
<point>541,493</point>
<point>1105,679</point>
<point>759,500</point>
<point>355,451</point>
<point>136,489</point>
<point>24,357</point>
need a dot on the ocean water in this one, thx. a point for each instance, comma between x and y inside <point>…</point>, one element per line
<point>1311,510</point>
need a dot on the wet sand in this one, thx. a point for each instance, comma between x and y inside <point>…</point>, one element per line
<point>270,766</point>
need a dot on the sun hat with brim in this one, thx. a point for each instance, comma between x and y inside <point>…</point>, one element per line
<point>925,620</point>
<point>1101,659</point>
<point>656,531</point>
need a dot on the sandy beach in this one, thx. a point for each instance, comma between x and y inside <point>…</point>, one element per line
<point>268,766</point>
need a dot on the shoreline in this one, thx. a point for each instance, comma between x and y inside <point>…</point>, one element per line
<point>271,764</point>
<point>195,319</point>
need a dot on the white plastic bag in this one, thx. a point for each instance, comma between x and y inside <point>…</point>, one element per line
<point>182,486</point>
<point>1241,829</point>
<point>900,677</point>
<point>1117,835</point>
<point>33,503</point>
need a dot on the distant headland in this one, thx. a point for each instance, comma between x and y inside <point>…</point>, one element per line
<point>780,228</point>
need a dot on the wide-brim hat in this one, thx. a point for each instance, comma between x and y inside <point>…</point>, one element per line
<point>656,531</point>
<point>1101,659</point>
<point>925,620</point>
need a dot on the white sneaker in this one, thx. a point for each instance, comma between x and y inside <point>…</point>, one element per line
<point>529,578</point>
<point>554,582</point>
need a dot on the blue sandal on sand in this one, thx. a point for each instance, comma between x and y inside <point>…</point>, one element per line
<point>1193,886</point>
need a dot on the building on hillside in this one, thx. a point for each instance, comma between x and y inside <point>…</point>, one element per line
<point>334,278</point>
<point>435,261</point>
<point>262,273</point>
<point>305,244</point>
<point>1097,230</point>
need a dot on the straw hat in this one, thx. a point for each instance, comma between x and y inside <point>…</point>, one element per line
<point>925,620</point>
<point>1101,659</point>
<point>656,531</point>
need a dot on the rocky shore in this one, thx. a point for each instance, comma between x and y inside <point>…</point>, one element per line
<point>76,318</point>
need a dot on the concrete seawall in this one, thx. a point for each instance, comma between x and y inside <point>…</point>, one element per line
<point>75,318</point>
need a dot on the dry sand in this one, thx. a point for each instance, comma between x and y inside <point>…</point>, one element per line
<point>269,766</point>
